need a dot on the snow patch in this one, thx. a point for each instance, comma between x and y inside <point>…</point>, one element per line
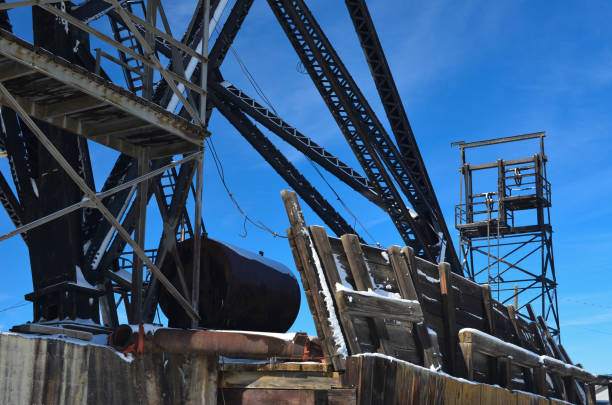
<point>385,256</point>
<point>329,303</point>
<point>34,187</point>
<point>429,278</point>
<point>258,258</point>
<point>97,341</point>
<point>371,293</point>
<point>80,279</point>
<point>149,328</point>
<point>341,269</point>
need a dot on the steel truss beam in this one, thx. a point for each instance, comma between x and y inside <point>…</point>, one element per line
<point>176,210</point>
<point>427,203</point>
<point>280,163</point>
<point>91,10</point>
<point>194,38</point>
<point>299,141</point>
<point>95,200</point>
<point>228,33</point>
<point>171,216</point>
<point>358,123</point>
<point>11,205</point>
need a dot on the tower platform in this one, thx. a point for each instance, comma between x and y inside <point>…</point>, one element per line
<point>69,97</point>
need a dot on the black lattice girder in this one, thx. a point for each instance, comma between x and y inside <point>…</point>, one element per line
<point>358,123</point>
<point>299,141</point>
<point>398,120</point>
<point>282,166</point>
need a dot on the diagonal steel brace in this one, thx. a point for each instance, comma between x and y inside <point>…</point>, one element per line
<point>97,202</point>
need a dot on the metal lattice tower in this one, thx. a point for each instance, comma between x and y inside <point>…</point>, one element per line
<point>505,233</point>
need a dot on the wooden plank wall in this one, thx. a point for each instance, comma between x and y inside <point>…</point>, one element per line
<point>384,381</point>
<point>448,302</point>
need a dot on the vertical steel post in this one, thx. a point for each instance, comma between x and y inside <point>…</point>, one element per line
<point>139,236</point>
<point>197,228</point>
<point>151,14</point>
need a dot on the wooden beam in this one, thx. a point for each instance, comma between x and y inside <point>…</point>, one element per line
<point>405,282</point>
<point>488,310</point>
<point>363,282</point>
<point>571,385</point>
<point>279,380</point>
<point>531,313</point>
<point>558,383</point>
<point>365,304</point>
<point>314,308</point>
<point>492,346</point>
<point>333,345</point>
<point>402,273</point>
<point>321,241</point>
<point>450,325</point>
<point>520,341</point>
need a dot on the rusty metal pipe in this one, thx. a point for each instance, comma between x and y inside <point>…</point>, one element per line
<point>121,338</point>
<point>237,344</point>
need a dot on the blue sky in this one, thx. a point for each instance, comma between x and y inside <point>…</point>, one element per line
<point>466,71</point>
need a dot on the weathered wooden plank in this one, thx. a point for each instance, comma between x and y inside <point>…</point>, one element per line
<point>562,355</point>
<point>364,392</point>
<point>567,388</point>
<point>492,346</point>
<point>521,342</point>
<point>309,298</point>
<point>490,328</point>
<point>279,380</point>
<point>466,319</point>
<point>363,282</point>
<point>450,325</point>
<point>429,268</point>
<point>402,273</point>
<point>365,304</point>
<point>407,290</point>
<point>342,263</point>
<point>323,368</point>
<point>322,309</point>
<point>486,300</point>
<point>466,286</point>
<point>531,313</point>
<point>321,241</point>
<point>383,371</point>
<point>358,266</point>
<point>341,396</point>
<point>379,268</point>
<point>272,396</point>
<point>402,340</point>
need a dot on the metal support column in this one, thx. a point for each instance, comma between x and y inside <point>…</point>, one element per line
<point>97,202</point>
<point>197,227</point>
<point>139,236</point>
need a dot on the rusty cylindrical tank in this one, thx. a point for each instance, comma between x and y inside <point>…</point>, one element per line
<point>239,290</point>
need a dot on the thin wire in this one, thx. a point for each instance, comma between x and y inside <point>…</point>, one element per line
<point>14,306</point>
<point>593,330</point>
<point>343,203</point>
<point>585,303</point>
<point>245,70</point>
<point>260,92</point>
<point>219,167</point>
